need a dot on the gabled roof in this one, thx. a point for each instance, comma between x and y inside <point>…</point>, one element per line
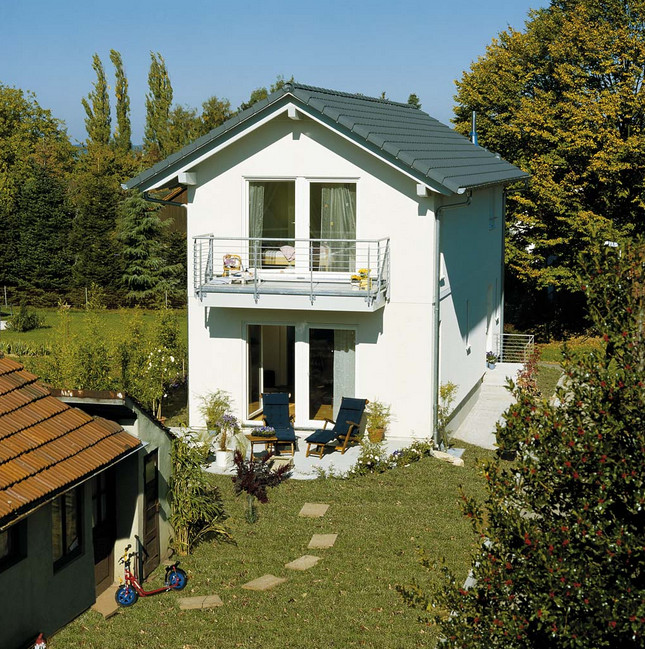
<point>47,446</point>
<point>399,133</point>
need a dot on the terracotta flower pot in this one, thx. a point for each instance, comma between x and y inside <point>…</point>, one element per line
<point>376,435</point>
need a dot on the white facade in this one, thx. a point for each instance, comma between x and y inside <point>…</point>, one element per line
<point>388,352</point>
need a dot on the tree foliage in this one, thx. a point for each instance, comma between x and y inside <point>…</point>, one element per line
<point>196,504</point>
<point>563,99</point>
<point>156,136</point>
<point>97,107</point>
<point>43,258</point>
<point>148,272</point>
<point>562,553</point>
<point>30,139</point>
<point>123,132</point>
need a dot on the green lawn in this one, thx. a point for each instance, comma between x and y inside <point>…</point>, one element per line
<point>548,374</point>
<point>347,600</point>
<point>114,321</point>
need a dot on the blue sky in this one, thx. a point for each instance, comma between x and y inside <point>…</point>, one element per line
<point>229,48</point>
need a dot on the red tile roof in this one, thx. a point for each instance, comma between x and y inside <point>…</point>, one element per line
<point>45,445</point>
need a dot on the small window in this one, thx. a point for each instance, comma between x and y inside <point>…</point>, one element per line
<point>66,528</point>
<point>13,545</point>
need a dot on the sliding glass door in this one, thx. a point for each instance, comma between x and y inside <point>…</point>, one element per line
<point>271,364</point>
<point>331,370</point>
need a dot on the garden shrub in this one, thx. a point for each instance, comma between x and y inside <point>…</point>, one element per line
<point>196,504</point>
<point>561,561</point>
<point>25,320</point>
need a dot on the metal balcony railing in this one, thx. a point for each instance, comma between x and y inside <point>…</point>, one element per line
<point>515,348</point>
<point>313,267</point>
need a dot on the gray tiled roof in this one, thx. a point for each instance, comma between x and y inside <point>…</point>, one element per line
<point>405,136</point>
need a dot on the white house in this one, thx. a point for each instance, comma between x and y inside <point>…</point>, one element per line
<point>287,202</point>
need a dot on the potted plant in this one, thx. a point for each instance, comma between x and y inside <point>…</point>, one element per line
<point>378,419</point>
<point>225,440</point>
<point>491,359</point>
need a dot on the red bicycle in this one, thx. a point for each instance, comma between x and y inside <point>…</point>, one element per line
<point>129,592</point>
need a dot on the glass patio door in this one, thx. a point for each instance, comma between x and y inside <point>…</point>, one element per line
<point>331,370</point>
<point>271,364</point>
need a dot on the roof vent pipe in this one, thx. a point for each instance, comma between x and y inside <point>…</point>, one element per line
<point>473,132</point>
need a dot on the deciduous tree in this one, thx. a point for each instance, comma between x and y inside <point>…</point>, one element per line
<point>564,100</point>
<point>97,107</point>
<point>156,136</point>
<point>123,132</point>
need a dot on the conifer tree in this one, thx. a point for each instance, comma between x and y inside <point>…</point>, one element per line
<point>148,274</point>
<point>123,132</point>
<point>43,256</point>
<point>97,107</point>
<point>413,100</point>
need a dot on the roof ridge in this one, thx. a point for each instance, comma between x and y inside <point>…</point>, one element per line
<point>354,95</point>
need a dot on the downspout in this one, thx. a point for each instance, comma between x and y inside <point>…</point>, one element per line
<point>437,308</point>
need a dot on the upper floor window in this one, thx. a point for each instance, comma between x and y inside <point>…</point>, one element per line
<point>332,219</point>
<point>66,527</point>
<point>272,222</point>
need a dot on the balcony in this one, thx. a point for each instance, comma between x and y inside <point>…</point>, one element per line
<point>330,275</point>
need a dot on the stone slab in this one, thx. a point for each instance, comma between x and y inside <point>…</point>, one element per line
<point>264,583</point>
<point>203,601</point>
<point>447,457</point>
<point>322,541</point>
<point>303,563</point>
<point>105,603</point>
<point>313,510</point>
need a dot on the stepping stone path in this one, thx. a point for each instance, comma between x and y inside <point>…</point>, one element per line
<point>322,541</point>
<point>105,603</point>
<point>303,563</point>
<point>192,603</point>
<point>264,583</point>
<point>313,510</point>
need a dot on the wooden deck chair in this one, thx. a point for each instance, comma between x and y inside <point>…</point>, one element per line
<point>346,428</point>
<point>275,408</point>
<point>232,264</point>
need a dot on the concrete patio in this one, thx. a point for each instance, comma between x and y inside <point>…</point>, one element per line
<point>309,468</point>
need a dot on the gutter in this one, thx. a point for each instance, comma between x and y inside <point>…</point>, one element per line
<point>437,308</point>
<point>150,199</point>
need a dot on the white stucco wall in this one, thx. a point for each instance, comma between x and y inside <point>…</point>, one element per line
<point>394,344</point>
<point>472,240</point>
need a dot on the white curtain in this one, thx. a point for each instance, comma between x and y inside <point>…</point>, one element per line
<point>256,221</point>
<point>344,371</point>
<point>338,221</point>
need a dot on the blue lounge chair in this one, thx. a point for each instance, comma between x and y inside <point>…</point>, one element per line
<point>275,409</point>
<point>346,428</point>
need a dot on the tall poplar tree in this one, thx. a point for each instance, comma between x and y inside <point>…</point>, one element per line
<point>123,132</point>
<point>97,107</point>
<point>156,135</point>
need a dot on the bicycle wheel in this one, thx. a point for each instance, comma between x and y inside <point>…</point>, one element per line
<point>177,579</point>
<point>126,595</point>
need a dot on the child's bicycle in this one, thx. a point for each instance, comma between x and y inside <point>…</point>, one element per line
<point>129,592</point>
